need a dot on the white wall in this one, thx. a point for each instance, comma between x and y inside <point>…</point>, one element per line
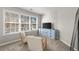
<point>50,17</point>
<point>66,19</point>
<point>63,19</point>
<point>47,18</point>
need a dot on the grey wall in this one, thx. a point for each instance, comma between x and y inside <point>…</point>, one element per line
<point>65,23</point>
<point>10,37</point>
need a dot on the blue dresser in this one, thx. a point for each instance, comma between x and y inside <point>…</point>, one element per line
<point>49,33</point>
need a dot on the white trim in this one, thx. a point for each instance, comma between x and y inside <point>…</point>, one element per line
<point>36,23</point>
<point>3,22</point>
<point>68,45</point>
<point>75,49</point>
<point>19,23</point>
<point>65,43</point>
<point>2,44</point>
<point>11,33</point>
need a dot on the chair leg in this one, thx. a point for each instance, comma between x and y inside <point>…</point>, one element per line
<point>46,43</point>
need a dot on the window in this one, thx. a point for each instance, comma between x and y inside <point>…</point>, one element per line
<point>33,23</point>
<point>24,23</point>
<point>15,22</point>
<point>11,22</point>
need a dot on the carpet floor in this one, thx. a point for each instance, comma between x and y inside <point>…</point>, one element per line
<point>53,45</point>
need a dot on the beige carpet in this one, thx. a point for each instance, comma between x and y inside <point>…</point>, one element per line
<point>53,45</point>
<point>17,46</point>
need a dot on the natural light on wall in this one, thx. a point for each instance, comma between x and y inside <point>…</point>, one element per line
<point>47,18</point>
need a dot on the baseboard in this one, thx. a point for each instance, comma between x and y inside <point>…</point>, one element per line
<point>68,45</point>
<point>75,49</point>
<point>65,43</point>
<point>9,42</point>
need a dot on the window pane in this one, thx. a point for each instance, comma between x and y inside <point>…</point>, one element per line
<point>33,20</point>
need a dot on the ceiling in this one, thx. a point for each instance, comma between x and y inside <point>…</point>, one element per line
<point>40,10</point>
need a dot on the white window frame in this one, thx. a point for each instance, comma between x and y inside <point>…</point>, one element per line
<point>19,15</point>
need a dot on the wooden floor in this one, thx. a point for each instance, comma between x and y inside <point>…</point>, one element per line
<point>53,45</point>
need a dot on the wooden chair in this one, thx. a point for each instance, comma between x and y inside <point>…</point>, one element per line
<point>23,38</point>
<point>44,43</point>
<point>35,43</point>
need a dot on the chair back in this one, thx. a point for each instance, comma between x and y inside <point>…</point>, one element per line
<point>34,43</point>
<point>23,37</point>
